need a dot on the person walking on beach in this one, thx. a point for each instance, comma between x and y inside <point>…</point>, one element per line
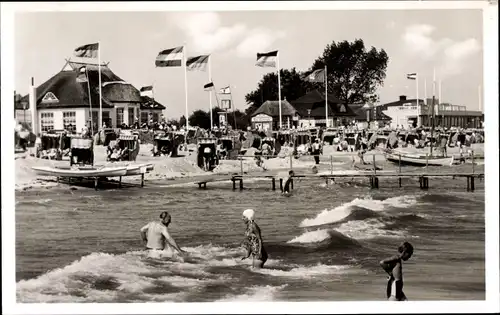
<point>394,267</point>
<point>156,236</point>
<point>289,183</point>
<point>253,240</point>
<point>316,150</point>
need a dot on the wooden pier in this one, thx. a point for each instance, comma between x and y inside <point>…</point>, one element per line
<point>423,178</point>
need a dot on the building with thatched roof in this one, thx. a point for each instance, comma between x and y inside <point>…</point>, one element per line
<point>267,117</point>
<point>311,107</point>
<point>65,102</point>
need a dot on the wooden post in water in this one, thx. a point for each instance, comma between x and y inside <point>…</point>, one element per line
<point>274,183</point>
<point>281,184</point>
<point>399,170</point>
<point>374,165</point>
<point>331,164</point>
<point>473,163</point>
<point>426,161</point>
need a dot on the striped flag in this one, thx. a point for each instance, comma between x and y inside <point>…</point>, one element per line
<point>209,86</point>
<point>82,75</point>
<point>197,63</point>
<point>87,51</point>
<point>315,75</point>
<point>225,90</point>
<point>267,59</point>
<point>170,57</point>
<point>147,91</point>
<point>411,76</point>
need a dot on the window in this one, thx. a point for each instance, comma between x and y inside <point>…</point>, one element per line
<point>119,117</point>
<point>144,117</point>
<point>47,120</point>
<point>131,116</point>
<point>69,121</point>
<point>156,117</point>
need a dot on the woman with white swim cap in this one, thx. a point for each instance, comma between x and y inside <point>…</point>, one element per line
<point>254,240</point>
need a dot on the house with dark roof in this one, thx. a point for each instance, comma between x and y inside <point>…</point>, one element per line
<point>312,110</point>
<point>64,102</point>
<point>405,113</point>
<point>267,116</point>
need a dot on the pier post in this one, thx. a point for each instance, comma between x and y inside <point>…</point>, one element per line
<point>274,183</point>
<point>472,162</point>
<point>426,161</point>
<point>234,183</point>
<point>241,183</point>
<point>468,183</point>
<point>281,184</point>
<point>472,183</point>
<point>331,166</point>
<point>120,183</point>
<point>241,165</point>
<point>374,165</point>
<point>399,179</point>
<point>142,180</point>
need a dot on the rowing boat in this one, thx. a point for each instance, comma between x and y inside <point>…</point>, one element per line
<point>80,172</point>
<point>418,159</point>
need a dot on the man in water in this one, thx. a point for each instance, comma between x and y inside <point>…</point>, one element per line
<point>288,183</point>
<point>394,267</point>
<point>155,234</point>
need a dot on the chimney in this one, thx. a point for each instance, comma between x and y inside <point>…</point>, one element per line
<point>402,97</point>
<point>32,105</point>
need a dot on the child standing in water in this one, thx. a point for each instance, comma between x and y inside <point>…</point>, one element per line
<point>394,267</point>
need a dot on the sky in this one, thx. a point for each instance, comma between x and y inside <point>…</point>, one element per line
<point>450,41</point>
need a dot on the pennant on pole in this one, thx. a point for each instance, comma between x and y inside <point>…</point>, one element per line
<point>197,63</point>
<point>267,59</point>
<point>225,90</point>
<point>411,76</point>
<point>170,57</point>
<point>87,51</point>
<point>209,86</point>
<point>315,75</point>
<point>147,91</point>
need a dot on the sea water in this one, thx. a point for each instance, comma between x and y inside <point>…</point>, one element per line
<point>324,242</point>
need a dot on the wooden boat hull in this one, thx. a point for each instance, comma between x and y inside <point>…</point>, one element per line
<point>139,169</point>
<point>81,172</point>
<point>418,160</point>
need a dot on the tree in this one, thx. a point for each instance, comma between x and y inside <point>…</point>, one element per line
<point>200,118</point>
<point>242,120</point>
<point>354,74</point>
<point>292,87</point>
<point>173,122</point>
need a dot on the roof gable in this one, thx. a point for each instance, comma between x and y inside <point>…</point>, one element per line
<point>271,108</point>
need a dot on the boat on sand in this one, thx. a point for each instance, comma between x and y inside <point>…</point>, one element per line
<point>419,159</point>
<point>81,171</point>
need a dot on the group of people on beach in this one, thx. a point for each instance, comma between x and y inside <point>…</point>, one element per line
<point>156,236</point>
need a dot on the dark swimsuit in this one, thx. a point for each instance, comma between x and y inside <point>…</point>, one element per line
<point>253,242</point>
<point>286,189</point>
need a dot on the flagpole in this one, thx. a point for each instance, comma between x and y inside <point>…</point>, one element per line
<point>326,98</point>
<point>185,85</point>
<point>210,94</point>
<point>419,119</point>
<point>425,90</point>
<point>100,85</point>
<point>279,88</point>
<point>231,96</point>
<point>217,100</point>
<point>90,102</point>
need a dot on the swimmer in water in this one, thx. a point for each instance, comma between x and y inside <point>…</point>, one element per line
<point>253,240</point>
<point>156,236</point>
<point>394,267</point>
<point>288,183</point>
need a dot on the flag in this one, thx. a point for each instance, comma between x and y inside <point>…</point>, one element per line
<point>82,75</point>
<point>267,59</point>
<point>209,86</point>
<point>226,90</point>
<point>87,51</point>
<point>170,57</point>
<point>147,91</point>
<point>315,75</point>
<point>197,63</point>
<point>411,76</point>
